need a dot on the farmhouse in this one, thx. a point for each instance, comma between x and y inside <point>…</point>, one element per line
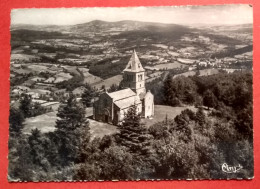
<point>111,107</point>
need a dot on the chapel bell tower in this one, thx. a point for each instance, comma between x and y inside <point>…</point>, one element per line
<point>134,75</point>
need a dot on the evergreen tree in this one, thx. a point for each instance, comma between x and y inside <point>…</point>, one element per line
<point>209,99</point>
<point>37,149</point>
<point>38,110</point>
<point>16,119</point>
<point>183,126</point>
<point>179,90</point>
<point>133,134</point>
<point>200,117</point>
<point>87,96</point>
<point>71,125</point>
<point>103,87</point>
<point>170,98</point>
<point>26,105</point>
<point>20,161</point>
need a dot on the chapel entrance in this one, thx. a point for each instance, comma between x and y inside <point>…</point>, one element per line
<point>106,115</point>
<point>106,118</point>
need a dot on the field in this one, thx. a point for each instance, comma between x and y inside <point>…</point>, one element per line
<point>38,68</point>
<point>169,66</point>
<point>99,129</point>
<point>23,57</point>
<point>46,122</point>
<point>160,112</point>
<point>208,72</point>
<point>62,77</point>
<point>110,81</point>
<point>186,61</point>
<point>204,72</point>
<point>72,69</point>
<point>186,74</point>
<point>88,77</point>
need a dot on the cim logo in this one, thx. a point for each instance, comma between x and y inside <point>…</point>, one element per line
<point>231,169</point>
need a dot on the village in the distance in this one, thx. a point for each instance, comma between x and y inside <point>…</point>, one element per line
<point>200,77</point>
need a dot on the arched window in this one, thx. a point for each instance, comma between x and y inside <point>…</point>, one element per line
<point>140,77</point>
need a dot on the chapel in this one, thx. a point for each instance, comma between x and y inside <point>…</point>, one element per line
<point>112,107</point>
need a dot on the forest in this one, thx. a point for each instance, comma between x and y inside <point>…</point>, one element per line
<point>194,144</point>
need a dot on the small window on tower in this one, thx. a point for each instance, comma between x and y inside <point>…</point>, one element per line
<point>140,85</point>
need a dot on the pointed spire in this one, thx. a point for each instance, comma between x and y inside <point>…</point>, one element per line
<point>134,64</point>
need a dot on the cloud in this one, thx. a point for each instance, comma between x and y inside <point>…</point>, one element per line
<point>216,14</point>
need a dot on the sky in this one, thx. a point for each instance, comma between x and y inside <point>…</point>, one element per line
<point>187,15</point>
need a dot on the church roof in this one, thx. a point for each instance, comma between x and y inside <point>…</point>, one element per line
<point>127,102</point>
<point>134,64</point>
<point>124,93</point>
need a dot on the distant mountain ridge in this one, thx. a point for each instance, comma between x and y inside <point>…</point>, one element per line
<point>129,33</point>
<point>132,29</point>
<point>118,23</point>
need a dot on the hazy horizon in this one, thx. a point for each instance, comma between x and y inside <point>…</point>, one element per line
<point>233,14</point>
<point>127,20</point>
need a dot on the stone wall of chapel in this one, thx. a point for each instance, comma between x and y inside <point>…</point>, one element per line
<point>103,107</point>
<point>149,105</point>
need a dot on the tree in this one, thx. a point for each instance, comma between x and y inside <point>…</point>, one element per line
<point>87,97</point>
<point>243,95</point>
<point>179,90</point>
<point>106,142</point>
<point>37,109</point>
<point>200,117</point>
<point>37,149</point>
<point>209,99</point>
<point>26,105</point>
<point>176,160</point>
<point>71,125</point>
<point>168,92</point>
<point>133,134</point>
<point>113,88</point>
<point>20,161</point>
<point>117,163</point>
<point>183,125</point>
<point>16,119</point>
<point>103,87</point>
<point>244,122</point>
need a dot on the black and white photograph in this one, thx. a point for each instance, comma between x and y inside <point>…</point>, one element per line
<point>131,93</point>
